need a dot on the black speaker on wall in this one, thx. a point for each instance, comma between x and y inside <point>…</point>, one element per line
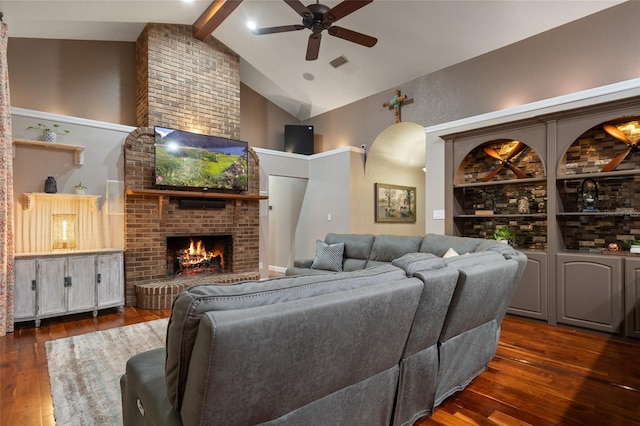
<point>298,139</point>
<point>202,203</point>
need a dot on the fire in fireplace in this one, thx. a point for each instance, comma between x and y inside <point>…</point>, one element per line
<point>198,254</point>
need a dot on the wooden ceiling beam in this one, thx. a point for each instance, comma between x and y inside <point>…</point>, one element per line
<point>211,18</point>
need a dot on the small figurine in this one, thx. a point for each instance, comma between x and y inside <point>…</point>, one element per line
<point>613,247</point>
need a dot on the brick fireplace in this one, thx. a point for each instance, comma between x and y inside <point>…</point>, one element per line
<point>191,85</point>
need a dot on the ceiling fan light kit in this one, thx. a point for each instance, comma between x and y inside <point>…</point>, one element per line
<point>317,18</point>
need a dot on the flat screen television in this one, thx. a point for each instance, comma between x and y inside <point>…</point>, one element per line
<point>191,161</point>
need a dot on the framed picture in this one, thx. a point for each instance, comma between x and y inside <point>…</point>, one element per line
<point>395,203</point>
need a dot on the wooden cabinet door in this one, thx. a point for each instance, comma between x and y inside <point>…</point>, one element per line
<point>590,291</point>
<point>632,296</point>
<point>530,298</point>
<point>110,280</point>
<point>52,295</point>
<point>25,289</point>
<point>81,288</point>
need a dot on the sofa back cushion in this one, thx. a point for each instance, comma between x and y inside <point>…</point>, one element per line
<point>192,303</point>
<point>483,293</point>
<point>357,248</point>
<point>258,365</point>
<point>386,248</point>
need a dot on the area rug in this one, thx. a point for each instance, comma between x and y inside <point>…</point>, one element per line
<point>85,371</point>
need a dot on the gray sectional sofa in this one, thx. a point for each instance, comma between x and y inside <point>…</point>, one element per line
<point>380,343</point>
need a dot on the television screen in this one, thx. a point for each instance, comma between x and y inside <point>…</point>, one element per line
<point>191,161</point>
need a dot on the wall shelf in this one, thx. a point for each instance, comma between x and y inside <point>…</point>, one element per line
<point>78,151</point>
<point>500,182</point>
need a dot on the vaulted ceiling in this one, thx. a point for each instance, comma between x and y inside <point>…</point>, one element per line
<point>415,38</point>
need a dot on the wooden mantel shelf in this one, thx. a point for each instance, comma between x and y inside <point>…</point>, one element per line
<point>161,193</point>
<point>195,194</point>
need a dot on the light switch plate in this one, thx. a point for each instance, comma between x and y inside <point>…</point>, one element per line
<point>438,214</point>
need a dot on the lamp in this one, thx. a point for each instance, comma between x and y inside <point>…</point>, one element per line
<point>589,195</point>
<point>64,231</point>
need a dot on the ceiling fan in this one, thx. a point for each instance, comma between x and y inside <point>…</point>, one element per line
<point>517,148</point>
<point>631,146</point>
<point>317,18</point>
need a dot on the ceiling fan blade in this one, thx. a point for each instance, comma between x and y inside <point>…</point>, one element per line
<point>281,29</point>
<point>616,133</point>
<point>519,173</point>
<point>495,171</point>
<point>352,36</point>
<point>515,150</point>
<point>343,9</point>
<point>313,46</point>
<point>300,8</point>
<point>491,153</point>
<point>617,160</point>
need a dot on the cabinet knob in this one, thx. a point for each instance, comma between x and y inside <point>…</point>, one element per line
<point>67,281</point>
<point>33,285</point>
<point>99,278</point>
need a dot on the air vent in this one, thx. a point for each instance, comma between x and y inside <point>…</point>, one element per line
<point>339,61</point>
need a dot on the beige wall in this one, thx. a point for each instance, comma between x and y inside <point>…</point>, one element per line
<point>86,79</point>
<point>262,122</point>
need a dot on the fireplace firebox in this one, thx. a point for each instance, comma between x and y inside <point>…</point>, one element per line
<point>198,254</point>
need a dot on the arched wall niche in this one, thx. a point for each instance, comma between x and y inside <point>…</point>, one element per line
<point>397,156</point>
<point>501,159</point>
<point>609,146</point>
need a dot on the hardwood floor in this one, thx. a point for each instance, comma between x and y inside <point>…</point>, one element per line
<point>540,375</point>
<point>25,394</point>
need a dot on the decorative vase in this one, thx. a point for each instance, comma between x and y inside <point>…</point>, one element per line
<point>50,136</point>
<point>523,205</point>
<point>79,190</point>
<point>50,185</point>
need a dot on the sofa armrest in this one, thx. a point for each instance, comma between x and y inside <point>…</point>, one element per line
<point>303,263</point>
<point>144,392</point>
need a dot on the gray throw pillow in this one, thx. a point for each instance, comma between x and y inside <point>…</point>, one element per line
<point>328,256</point>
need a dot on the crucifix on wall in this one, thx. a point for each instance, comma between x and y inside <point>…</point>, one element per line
<point>396,104</point>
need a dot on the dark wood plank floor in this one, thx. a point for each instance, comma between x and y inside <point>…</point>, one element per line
<point>541,375</point>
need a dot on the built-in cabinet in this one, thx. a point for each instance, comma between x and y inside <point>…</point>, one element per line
<point>60,284</point>
<point>632,296</point>
<point>530,298</point>
<point>590,291</point>
<point>538,176</point>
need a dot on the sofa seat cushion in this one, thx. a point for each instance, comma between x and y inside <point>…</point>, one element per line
<point>328,256</point>
<point>192,303</point>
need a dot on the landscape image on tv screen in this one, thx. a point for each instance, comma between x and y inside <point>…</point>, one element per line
<point>192,161</point>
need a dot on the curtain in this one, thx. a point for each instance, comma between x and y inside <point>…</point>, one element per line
<point>6,193</point>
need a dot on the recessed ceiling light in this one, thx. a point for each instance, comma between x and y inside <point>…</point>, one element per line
<point>308,76</point>
<point>251,25</point>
